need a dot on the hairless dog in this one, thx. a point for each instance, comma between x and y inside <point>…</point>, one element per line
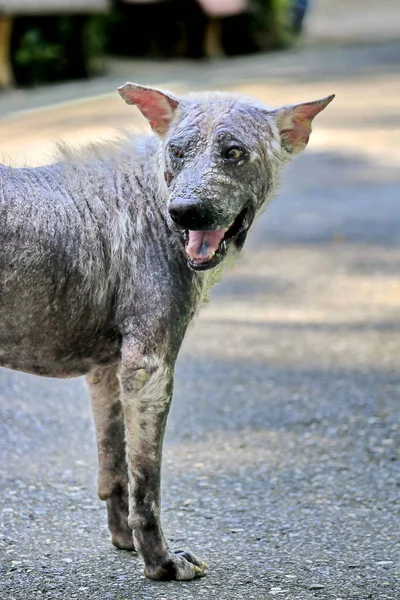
<point>106,257</point>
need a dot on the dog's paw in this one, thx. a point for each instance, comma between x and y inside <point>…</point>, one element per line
<point>179,565</point>
<point>123,541</point>
<point>121,533</point>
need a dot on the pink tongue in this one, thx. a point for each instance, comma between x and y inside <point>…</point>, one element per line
<point>202,244</point>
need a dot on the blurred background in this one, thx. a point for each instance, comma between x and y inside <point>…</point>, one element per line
<point>282,454</point>
<point>52,40</point>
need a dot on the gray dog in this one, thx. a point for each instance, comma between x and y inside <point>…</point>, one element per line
<point>105,259</point>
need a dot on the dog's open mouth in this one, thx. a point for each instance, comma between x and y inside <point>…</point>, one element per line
<point>206,249</point>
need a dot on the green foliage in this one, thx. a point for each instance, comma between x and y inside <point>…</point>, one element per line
<point>47,49</point>
<point>95,42</point>
<point>38,56</point>
<point>272,23</point>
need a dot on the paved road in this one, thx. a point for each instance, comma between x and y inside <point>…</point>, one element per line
<point>282,456</point>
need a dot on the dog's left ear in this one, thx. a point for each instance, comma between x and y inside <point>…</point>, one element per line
<point>158,107</point>
<point>294,123</point>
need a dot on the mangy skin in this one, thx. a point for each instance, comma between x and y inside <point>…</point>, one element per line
<point>94,278</point>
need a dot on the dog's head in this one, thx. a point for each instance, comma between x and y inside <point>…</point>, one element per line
<point>222,155</point>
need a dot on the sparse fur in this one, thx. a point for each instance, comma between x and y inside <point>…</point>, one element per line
<point>96,278</point>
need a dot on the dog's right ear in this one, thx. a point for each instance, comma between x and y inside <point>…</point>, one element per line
<point>158,107</point>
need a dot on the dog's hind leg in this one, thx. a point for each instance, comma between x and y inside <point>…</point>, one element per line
<point>105,390</point>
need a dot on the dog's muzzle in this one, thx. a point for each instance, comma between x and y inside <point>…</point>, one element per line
<point>206,241</point>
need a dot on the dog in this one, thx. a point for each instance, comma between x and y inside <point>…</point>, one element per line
<point>106,257</point>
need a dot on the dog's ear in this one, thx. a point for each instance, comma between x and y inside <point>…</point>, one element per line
<point>158,107</point>
<point>294,123</point>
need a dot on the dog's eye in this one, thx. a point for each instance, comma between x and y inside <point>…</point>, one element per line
<point>176,152</point>
<point>234,153</point>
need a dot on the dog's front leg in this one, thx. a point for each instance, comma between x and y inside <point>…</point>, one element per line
<point>147,381</point>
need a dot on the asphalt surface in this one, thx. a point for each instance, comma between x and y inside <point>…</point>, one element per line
<point>281,465</point>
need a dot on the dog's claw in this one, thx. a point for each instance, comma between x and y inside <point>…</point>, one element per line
<point>180,565</point>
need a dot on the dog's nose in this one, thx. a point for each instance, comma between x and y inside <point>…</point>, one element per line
<point>186,214</point>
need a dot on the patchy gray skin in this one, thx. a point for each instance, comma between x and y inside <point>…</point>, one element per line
<point>106,257</point>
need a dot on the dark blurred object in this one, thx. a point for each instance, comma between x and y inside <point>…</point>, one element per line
<point>50,40</point>
<point>158,28</point>
<point>204,28</point>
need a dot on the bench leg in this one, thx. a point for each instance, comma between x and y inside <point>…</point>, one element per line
<point>212,43</point>
<point>6,77</point>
